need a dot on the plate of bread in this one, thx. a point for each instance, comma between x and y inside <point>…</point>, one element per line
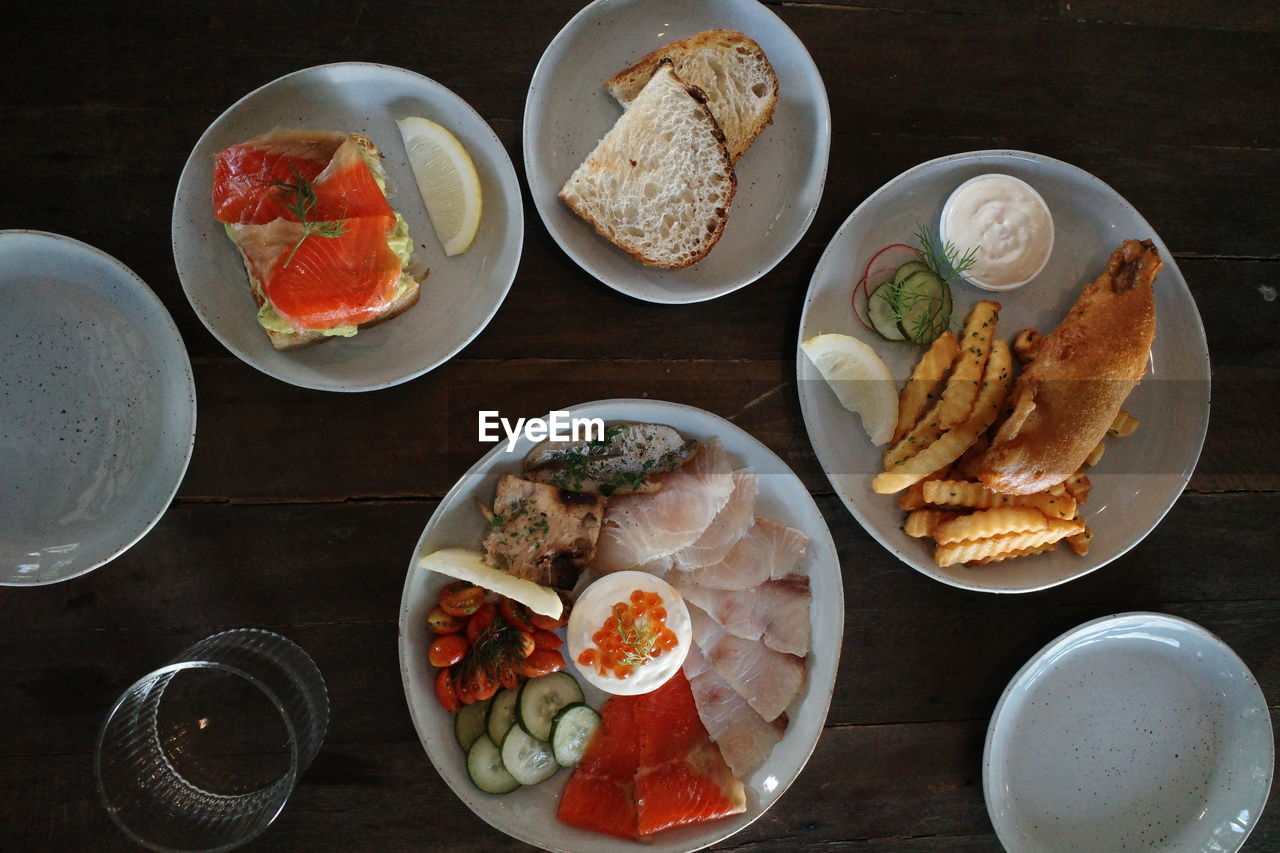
<point>1022,438</point>
<point>676,149</point>
<point>347,227</point>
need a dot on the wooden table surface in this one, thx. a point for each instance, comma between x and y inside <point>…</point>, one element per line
<point>1172,103</point>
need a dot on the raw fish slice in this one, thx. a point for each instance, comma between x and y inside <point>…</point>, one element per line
<point>600,795</point>
<point>245,176</point>
<point>768,680</point>
<point>744,738</point>
<point>766,550</point>
<point>346,189</point>
<point>641,528</point>
<point>733,520</point>
<point>776,612</point>
<point>683,777</point>
<point>327,281</point>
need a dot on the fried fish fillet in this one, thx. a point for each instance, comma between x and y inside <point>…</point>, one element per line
<point>1065,400</point>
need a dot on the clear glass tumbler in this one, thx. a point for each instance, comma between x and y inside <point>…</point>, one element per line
<point>203,753</point>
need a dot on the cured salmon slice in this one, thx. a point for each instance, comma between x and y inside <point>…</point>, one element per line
<point>319,282</point>
<point>683,778</point>
<point>246,176</point>
<point>650,766</point>
<point>258,181</point>
<point>346,189</point>
<point>600,795</point>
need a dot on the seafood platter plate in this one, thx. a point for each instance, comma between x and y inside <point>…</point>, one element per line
<point>758,497</point>
<point>459,294</point>
<point>97,408</point>
<point>1140,477</point>
<point>780,180</point>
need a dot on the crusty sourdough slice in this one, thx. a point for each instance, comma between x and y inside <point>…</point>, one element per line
<point>741,87</point>
<point>660,182</point>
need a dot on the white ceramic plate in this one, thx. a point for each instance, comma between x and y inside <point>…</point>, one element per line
<point>1137,480</point>
<point>1132,732</point>
<point>528,814</point>
<point>780,179</point>
<point>97,408</point>
<point>459,296</point>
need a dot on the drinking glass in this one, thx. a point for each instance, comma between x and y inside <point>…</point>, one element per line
<point>203,753</point>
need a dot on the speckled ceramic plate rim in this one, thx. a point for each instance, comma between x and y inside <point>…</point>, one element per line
<point>169,330</point>
<point>821,163</point>
<point>1061,644</point>
<point>515,228</point>
<point>823,457</point>
<point>649,411</point>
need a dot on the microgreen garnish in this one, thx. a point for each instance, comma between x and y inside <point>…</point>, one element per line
<point>299,198</point>
<point>638,639</point>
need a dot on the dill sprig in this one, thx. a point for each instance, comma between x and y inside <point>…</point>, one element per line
<point>946,259</point>
<point>299,198</point>
<point>639,640</point>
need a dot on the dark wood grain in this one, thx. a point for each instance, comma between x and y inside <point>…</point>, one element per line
<point>1171,103</point>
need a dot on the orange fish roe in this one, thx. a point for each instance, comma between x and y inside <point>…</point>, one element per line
<point>635,633</point>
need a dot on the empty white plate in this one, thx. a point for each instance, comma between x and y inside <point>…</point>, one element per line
<point>1132,732</point>
<point>780,179</point>
<point>97,408</point>
<point>460,295</point>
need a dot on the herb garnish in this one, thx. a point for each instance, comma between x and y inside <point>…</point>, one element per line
<point>299,198</point>
<point>637,639</point>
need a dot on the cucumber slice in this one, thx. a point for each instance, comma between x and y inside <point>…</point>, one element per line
<point>541,698</point>
<point>485,767</point>
<point>880,313</point>
<point>502,714</point>
<point>469,723</point>
<point>923,298</point>
<point>571,733</point>
<point>901,273</point>
<point>528,760</point>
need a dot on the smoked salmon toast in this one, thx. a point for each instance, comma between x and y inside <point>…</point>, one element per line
<point>324,251</point>
<point>1065,401</point>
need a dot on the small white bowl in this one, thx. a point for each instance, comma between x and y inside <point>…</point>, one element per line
<point>946,212</point>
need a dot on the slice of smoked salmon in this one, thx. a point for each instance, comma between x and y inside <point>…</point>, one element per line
<point>600,794</point>
<point>328,281</point>
<point>683,778</point>
<point>346,189</point>
<point>246,177</point>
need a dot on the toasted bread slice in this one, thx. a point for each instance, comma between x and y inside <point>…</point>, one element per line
<point>658,184</point>
<point>733,71</point>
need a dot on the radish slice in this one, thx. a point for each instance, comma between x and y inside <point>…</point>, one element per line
<point>860,304</point>
<point>895,256</point>
<point>882,265</point>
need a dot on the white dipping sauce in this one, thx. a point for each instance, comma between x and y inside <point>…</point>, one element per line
<point>1007,222</point>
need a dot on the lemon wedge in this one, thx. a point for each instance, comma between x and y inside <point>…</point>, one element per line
<point>860,380</point>
<point>467,565</point>
<point>447,180</point>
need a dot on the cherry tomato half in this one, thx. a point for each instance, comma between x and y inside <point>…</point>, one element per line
<point>546,623</point>
<point>444,623</point>
<point>446,691</point>
<point>547,640</point>
<point>480,622</point>
<point>481,683</point>
<point>522,645</point>
<point>508,676</point>
<point>515,614</point>
<point>541,662</point>
<point>462,684</point>
<point>461,598</point>
<point>447,650</point>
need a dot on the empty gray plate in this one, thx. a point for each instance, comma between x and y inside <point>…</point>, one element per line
<point>97,408</point>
